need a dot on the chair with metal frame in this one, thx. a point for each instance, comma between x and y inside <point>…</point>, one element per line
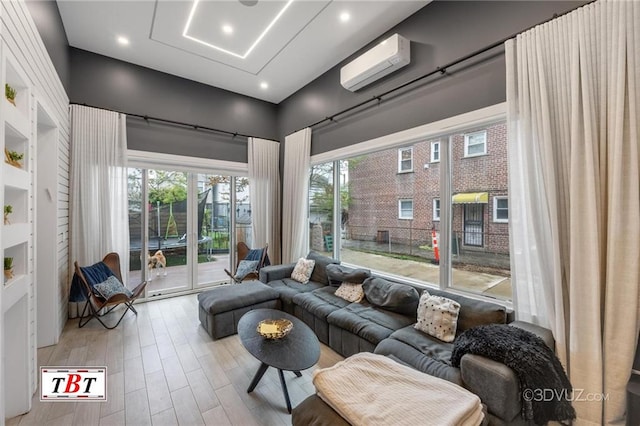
<point>97,305</point>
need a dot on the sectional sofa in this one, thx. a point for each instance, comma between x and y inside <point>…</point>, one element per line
<point>384,323</point>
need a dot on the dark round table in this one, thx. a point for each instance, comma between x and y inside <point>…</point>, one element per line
<point>297,351</point>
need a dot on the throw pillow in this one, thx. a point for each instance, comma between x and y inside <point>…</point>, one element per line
<point>303,269</point>
<point>438,316</point>
<point>338,274</point>
<point>112,286</point>
<point>400,298</point>
<point>244,268</point>
<point>351,292</point>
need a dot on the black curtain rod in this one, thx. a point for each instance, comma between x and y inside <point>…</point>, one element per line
<point>438,70</point>
<point>176,123</point>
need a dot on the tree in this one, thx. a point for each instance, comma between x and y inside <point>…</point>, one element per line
<point>321,190</point>
<point>167,187</point>
<point>222,185</point>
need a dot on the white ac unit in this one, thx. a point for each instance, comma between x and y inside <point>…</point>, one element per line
<point>387,57</point>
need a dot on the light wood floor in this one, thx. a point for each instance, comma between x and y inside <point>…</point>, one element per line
<point>164,369</point>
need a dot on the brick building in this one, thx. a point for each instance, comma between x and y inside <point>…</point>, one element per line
<point>395,193</point>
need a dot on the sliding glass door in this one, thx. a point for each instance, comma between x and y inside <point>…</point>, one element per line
<point>180,228</point>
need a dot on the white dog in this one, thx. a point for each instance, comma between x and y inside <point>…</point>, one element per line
<point>156,262</point>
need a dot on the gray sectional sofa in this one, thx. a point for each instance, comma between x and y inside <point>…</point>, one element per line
<point>384,323</point>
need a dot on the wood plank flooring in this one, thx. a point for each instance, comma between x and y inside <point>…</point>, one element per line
<point>164,369</point>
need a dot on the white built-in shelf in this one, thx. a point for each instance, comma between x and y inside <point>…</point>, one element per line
<point>14,234</point>
<point>15,177</point>
<point>14,290</point>
<point>15,118</point>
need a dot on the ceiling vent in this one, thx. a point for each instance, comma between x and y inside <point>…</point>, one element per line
<point>387,57</point>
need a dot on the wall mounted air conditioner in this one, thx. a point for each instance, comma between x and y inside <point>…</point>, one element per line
<point>387,57</point>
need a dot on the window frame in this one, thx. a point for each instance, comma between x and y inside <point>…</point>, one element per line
<point>400,210</point>
<point>497,198</point>
<point>437,129</point>
<point>432,157</point>
<point>436,218</point>
<point>400,160</point>
<point>468,136</point>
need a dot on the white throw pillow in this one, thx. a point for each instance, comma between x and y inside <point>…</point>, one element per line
<point>350,292</point>
<point>438,316</point>
<point>302,271</point>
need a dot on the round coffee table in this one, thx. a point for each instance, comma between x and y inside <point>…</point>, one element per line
<point>297,351</point>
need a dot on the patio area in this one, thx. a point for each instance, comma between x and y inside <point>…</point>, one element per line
<point>475,272</point>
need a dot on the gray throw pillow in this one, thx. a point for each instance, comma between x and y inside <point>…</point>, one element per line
<point>112,286</point>
<point>338,274</point>
<point>319,274</point>
<point>399,298</point>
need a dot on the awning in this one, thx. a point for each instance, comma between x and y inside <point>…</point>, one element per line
<point>471,198</point>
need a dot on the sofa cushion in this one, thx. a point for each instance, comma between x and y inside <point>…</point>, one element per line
<point>474,312</point>
<point>320,302</point>
<point>338,274</point>
<point>368,322</point>
<point>394,297</point>
<point>287,288</point>
<point>422,352</point>
<point>319,274</point>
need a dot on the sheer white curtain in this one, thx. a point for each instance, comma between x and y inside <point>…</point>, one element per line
<point>99,202</point>
<point>573,91</point>
<point>264,184</point>
<point>295,193</point>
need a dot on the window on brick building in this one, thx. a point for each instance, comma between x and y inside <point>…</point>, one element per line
<point>405,209</point>
<point>436,209</point>
<point>475,143</point>
<point>405,160</point>
<point>501,209</point>
<point>435,152</point>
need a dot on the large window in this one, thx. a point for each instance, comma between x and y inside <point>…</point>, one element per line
<point>388,222</point>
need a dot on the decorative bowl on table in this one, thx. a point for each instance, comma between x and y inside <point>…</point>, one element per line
<point>274,328</point>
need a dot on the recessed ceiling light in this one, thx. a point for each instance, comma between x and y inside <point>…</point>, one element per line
<point>123,40</point>
<point>227,29</point>
<point>264,85</point>
<point>345,17</point>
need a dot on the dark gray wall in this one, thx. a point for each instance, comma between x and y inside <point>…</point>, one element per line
<point>47,18</point>
<point>440,33</point>
<point>116,85</point>
<point>155,136</point>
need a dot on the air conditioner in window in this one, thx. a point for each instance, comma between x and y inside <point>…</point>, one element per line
<point>387,57</point>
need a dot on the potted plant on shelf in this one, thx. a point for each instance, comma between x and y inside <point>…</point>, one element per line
<point>8,268</point>
<point>8,209</point>
<point>13,158</point>
<point>10,93</point>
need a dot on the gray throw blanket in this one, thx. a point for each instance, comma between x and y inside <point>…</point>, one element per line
<point>544,386</point>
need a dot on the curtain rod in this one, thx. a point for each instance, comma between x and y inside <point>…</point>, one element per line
<point>441,70</point>
<point>177,123</point>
